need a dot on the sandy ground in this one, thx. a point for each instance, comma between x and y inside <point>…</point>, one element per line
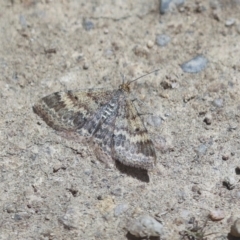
<point>55,188</point>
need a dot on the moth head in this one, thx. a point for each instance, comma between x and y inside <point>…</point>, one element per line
<point>126,86</point>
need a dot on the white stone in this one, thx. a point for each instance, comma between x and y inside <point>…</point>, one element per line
<point>217,215</point>
<point>235,228</point>
<point>145,226</point>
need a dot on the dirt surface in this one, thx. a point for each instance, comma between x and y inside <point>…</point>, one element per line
<point>55,188</point>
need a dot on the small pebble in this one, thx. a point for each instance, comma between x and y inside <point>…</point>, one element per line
<point>73,190</point>
<point>191,94</point>
<point>22,21</point>
<point>162,40</point>
<point>141,51</point>
<point>17,217</point>
<point>200,8</point>
<point>214,4</point>
<point>216,15</point>
<point>108,53</point>
<point>218,102</point>
<point>21,216</point>
<point>230,22</point>
<point>117,192</point>
<point>78,56</point>
<point>106,31</point>
<point>85,66</point>
<point>10,208</point>
<point>216,215</point>
<point>88,171</point>
<point>145,226</point>
<point>120,209</point>
<point>88,25</point>
<point>202,149</point>
<point>150,44</point>
<point>100,197</point>
<point>165,4</point>
<point>107,204</point>
<point>181,196</point>
<point>166,84</point>
<point>181,9</point>
<point>208,119</point>
<point>225,157</point>
<point>196,189</point>
<point>57,167</point>
<point>195,65</point>
<point>47,217</point>
<point>235,228</point>
<point>232,127</point>
<point>229,182</point>
<point>71,218</point>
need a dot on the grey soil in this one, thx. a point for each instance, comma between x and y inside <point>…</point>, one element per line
<point>55,188</point>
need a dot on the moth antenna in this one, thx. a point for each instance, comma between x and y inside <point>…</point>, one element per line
<point>142,76</point>
<point>123,77</point>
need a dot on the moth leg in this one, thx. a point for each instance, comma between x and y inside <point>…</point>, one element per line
<point>71,135</point>
<point>142,104</point>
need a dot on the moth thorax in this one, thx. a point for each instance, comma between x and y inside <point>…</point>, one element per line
<point>125,87</point>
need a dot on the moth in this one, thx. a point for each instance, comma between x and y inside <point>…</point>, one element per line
<point>106,118</point>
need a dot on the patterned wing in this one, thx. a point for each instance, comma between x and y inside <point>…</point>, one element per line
<point>131,143</point>
<point>101,128</point>
<point>71,110</point>
<point>85,113</point>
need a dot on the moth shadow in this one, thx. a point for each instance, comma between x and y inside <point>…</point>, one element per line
<point>129,236</point>
<point>140,174</point>
<point>230,237</point>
